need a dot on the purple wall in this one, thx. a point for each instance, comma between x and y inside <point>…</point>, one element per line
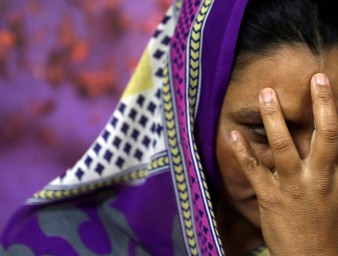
<point>63,66</point>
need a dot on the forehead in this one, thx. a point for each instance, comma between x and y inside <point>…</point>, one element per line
<point>288,72</point>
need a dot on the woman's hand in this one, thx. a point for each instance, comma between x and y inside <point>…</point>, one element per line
<point>299,201</point>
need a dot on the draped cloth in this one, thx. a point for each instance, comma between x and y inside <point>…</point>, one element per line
<point>147,184</point>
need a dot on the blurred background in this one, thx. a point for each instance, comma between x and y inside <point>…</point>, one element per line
<point>63,67</point>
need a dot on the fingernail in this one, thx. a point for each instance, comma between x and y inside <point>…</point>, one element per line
<point>266,95</point>
<point>321,79</point>
<point>234,136</point>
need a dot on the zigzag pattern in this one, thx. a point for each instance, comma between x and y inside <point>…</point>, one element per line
<point>194,80</point>
<point>195,55</point>
<point>158,163</point>
<point>181,181</point>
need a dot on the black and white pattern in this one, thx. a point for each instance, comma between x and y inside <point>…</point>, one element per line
<point>134,134</point>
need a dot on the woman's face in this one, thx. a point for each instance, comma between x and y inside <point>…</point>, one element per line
<point>288,72</point>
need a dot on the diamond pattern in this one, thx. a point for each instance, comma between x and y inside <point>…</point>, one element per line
<point>122,107</point>
<point>151,107</point>
<point>127,148</point>
<point>159,73</point>
<point>114,121</point>
<point>125,128</point>
<point>143,120</point>
<point>108,155</point>
<point>99,169</point>
<point>153,128</point>
<point>138,154</point>
<point>140,100</point>
<point>135,119</point>
<point>166,40</point>
<point>117,142</point>
<point>88,161</point>
<point>159,129</point>
<point>119,162</point>
<point>135,134</point>
<point>79,173</point>
<point>158,54</point>
<point>166,19</point>
<point>158,93</point>
<point>146,141</point>
<point>132,114</point>
<point>105,135</point>
<point>157,33</point>
<point>97,148</point>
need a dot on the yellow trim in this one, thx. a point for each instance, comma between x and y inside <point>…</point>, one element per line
<point>180,178</point>
<point>48,194</point>
<point>142,77</point>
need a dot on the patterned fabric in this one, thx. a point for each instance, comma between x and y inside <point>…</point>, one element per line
<point>143,187</point>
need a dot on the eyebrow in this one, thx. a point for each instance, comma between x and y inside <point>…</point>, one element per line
<point>253,115</point>
<point>247,115</point>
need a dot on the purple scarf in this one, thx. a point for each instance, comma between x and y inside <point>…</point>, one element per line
<point>146,185</point>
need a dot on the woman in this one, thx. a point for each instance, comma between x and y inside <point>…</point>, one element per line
<point>242,136</point>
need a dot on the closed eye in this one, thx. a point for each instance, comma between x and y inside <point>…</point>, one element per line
<point>257,129</point>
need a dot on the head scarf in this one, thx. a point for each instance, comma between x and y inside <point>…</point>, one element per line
<point>145,186</point>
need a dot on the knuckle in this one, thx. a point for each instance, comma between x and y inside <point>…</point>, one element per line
<point>297,192</point>
<point>269,200</point>
<point>280,143</point>
<point>330,133</point>
<point>325,191</point>
<point>270,111</point>
<point>324,95</point>
<point>248,162</point>
<point>323,186</point>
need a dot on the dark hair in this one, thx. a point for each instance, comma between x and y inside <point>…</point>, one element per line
<point>270,24</point>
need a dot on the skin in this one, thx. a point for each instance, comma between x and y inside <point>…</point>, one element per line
<point>277,147</point>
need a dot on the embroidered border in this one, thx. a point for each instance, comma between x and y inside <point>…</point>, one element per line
<point>181,181</point>
<point>157,165</point>
<point>194,77</point>
<point>178,5</point>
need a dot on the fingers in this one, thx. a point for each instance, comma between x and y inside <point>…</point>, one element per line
<point>287,162</point>
<point>258,175</point>
<point>285,154</point>
<point>325,145</point>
